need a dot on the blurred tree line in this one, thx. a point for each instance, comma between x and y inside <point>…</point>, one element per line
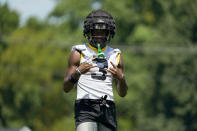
<point>158,42</point>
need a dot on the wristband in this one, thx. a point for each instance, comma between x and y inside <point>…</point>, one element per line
<point>78,71</point>
<point>72,79</point>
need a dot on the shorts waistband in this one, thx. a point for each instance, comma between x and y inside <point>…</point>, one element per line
<point>93,101</point>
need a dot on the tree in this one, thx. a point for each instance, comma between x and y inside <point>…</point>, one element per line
<point>9,21</point>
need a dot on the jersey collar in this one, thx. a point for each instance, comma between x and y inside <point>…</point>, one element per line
<point>95,49</point>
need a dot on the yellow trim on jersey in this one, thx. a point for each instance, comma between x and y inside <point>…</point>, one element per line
<point>95,49</point>
<point>82,55</point>
<point>118,58</point>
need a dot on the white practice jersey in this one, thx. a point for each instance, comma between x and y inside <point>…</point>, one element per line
<point>89,86</point>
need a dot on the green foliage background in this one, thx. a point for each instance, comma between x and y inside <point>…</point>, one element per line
<point>158,42</point>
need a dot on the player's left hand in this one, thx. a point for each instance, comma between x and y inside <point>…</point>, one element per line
<point>116,72</point>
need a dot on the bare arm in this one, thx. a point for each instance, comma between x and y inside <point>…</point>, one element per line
<point>73,64</point>
<point>118,74</point>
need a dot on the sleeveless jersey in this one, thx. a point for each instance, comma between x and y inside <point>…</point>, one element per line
<point>93,85</point>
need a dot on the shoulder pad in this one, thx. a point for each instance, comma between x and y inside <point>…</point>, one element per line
<point>78,47</point>
<point>117,51</point>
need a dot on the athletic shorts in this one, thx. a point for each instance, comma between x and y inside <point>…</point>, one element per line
<point>99,110</point>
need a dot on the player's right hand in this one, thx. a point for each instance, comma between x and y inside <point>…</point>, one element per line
<point>85,67</point>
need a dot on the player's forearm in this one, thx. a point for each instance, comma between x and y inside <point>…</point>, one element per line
<point>122,87</point>
<point>68,83</point>
<point>67,86</point>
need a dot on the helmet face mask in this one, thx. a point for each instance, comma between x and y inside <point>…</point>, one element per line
<point>99,35</point>
<point>99,28</point>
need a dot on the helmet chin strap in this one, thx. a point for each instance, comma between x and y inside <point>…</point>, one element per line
<point>93,40</point>
<point>95,44</point>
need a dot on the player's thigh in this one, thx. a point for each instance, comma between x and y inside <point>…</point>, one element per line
<point>101,127</point>
<point>87,126</point>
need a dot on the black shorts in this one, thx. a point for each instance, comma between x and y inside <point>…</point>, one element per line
<point>91,110</point>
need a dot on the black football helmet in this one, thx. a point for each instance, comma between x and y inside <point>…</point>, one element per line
<point>99,20</point>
